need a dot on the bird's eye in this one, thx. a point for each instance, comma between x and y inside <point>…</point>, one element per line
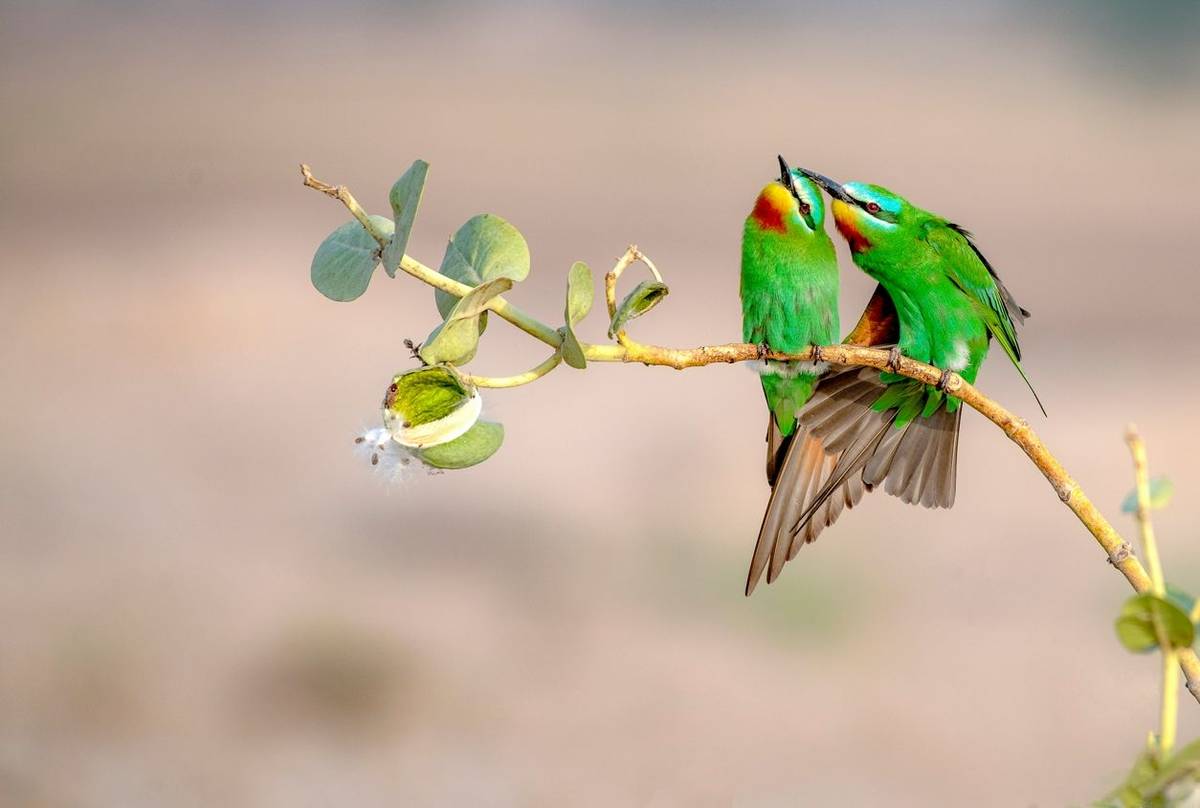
<point>393,388</point>
<point>872,207</point>
<point>805,208</point>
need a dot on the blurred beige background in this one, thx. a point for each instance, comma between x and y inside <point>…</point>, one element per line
<point>208,600</point>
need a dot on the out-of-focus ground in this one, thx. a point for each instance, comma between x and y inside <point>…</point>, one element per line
<point>208,600</point>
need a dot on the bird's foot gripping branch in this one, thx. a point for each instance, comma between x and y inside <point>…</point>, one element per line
<point>431,413</point>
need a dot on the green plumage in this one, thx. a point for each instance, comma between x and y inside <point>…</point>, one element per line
<point>949,299</point>
<point>789,290</point>
<point>938,301</point>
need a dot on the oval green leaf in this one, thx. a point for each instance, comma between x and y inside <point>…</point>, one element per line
<point>455,340</point>
<point>475,446</point>
<point>1136,626</point>
<point>485,248</point>
<point>1161,491</point>
<point>645,296</point>
<point>580,292</point>
<point>405,197</point>
<point>343,264</point>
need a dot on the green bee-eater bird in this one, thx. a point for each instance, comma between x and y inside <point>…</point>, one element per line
<point>789,291</point>
<point>789,288</point>
<point>949,303</point>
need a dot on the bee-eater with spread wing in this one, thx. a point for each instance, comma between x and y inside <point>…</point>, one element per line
<point>949,303</point>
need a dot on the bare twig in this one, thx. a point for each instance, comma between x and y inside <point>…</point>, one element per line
<point>631,256</point>
<point>1017,429</point>
<point>343,195</point>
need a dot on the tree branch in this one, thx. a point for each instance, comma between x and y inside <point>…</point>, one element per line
<point>1120,554</point>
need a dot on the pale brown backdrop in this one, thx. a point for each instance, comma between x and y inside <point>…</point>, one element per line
<point>208,600</point>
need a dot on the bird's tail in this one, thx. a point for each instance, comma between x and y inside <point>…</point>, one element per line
<point>798,468</point>
<point>843,447</point>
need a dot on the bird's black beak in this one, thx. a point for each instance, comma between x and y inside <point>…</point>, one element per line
<point>785,177</point>
<point>832,188</point>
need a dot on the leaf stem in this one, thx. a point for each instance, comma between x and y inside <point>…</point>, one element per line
<point>1141,477</point>
<point>521,378</point>
<point>1169,708</point>
<point>1170,702</point>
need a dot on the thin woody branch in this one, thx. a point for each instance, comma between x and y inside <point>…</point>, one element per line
<point>632,255</point>
<point>1119,552</point>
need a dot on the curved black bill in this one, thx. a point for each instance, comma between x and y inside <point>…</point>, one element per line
<point>785,177</point>
<point>832,188</point>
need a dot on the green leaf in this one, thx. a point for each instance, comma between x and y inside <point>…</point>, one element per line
<point>1161,491</point>
<point>485,248</point>
<point>645,296</point>
<point>405,198</point>
<point>580,292</point>
<point>1136,625</point>
<point>1184,763</point>
<point>455,340</point>
<point>343,264</point>
<point>475,446</point>
<point>1129,793</point>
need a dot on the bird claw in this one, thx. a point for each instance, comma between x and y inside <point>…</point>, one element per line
<point>944,380</point>
<point>764,350</point>
<point>894,357</point>
<point>816,352</point>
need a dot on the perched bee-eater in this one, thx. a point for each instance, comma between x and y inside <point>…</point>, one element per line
<point>789,290</point>
<point>949,303</point>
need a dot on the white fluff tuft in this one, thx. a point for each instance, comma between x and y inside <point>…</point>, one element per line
<point>787,370</point>
<point>961,356</point>
<point>391,461</point>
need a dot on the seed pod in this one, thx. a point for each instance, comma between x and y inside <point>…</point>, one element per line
<point>430,406</point>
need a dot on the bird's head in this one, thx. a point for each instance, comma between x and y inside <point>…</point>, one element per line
<point>791,204</point>
<point>866,215</point>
